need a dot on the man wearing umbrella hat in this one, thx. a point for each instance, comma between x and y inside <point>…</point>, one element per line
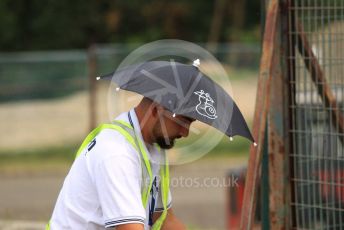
<point>120,177</point>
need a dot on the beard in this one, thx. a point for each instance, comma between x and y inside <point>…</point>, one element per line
<point>165,143</point>
<point>160,139</point>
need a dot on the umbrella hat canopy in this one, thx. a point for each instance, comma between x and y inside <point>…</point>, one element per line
<point>185,90</point>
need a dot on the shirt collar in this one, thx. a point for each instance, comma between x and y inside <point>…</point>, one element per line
<point>137,127</point>
<point>152,150</point>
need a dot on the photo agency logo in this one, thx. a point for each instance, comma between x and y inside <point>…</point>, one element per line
<point>169,72</point>
<point>231,181</point>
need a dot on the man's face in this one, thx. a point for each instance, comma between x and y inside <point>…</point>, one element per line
<point>169,128</point>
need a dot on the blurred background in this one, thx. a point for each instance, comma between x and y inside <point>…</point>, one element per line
<point>50,52</point>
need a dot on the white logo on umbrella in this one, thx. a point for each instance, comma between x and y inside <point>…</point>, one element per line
<point>205,106</point>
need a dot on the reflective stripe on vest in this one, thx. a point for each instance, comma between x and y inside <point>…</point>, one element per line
<point>127,131</point>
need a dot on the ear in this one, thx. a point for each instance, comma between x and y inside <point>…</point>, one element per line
<point>154,110</point>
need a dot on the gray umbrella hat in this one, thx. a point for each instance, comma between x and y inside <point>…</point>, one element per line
<point>184,90</point>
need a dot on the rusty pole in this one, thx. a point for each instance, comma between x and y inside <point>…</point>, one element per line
<point>260,116</point>
<point>278,127</point>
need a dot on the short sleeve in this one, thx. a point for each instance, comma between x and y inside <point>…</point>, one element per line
<point>118,182</point>
<point>159,206</point>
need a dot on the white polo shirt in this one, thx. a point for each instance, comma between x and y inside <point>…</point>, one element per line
<point>103,186</point>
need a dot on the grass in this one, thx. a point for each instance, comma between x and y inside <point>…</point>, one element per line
<point>59,153</point>
<point>61,157</point>
<point>236,74</point>
<point>239,146</point>
<point>225,148</point>
<point>242,74</point>
<point>52,159</point>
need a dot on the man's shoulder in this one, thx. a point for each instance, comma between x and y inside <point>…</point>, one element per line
<point>112,137</point>
<point>110,142</point>
<point>109,133</point>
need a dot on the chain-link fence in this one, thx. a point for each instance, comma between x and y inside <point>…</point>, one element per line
<point>317,107</point>
<point>45,96</point>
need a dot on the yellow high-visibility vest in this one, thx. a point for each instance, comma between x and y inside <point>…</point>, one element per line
<point>128,132</point>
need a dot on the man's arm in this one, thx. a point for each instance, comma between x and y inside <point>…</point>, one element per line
<point>130,227</point>
<point>171,222</point>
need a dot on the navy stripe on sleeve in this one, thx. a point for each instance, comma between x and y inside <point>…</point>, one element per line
<point>114,223</point>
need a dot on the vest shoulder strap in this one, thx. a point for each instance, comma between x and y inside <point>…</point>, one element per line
<point>129,137</point>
